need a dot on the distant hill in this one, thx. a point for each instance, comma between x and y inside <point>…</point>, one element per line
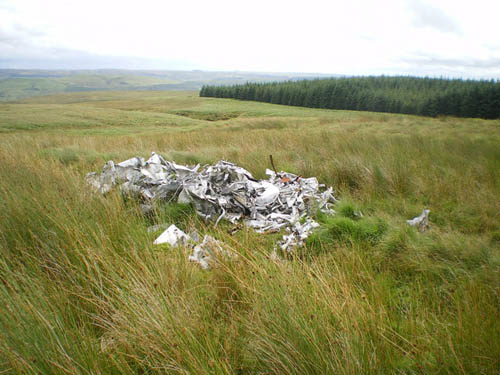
<point>20,83</point>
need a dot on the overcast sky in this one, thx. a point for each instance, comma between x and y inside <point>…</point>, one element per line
<point>353,37</point>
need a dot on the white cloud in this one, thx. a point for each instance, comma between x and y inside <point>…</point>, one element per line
<point>427,15</point>
<point>355,37</point>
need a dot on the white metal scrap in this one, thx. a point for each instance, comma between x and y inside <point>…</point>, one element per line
<point>421,222</point>
<point>223,191</point>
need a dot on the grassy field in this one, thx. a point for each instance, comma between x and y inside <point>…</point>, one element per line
<point>84,291</point>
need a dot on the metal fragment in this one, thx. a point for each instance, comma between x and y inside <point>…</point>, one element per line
<point>173,236</point>
<point>205,253</point>
<point>421,222</point>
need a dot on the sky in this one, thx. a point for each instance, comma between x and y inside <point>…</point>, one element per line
<point>447,38</point>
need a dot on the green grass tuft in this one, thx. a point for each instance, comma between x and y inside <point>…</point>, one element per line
<point>345,231</point>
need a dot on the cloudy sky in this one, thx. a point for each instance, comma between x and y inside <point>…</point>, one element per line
<point>354,37</point>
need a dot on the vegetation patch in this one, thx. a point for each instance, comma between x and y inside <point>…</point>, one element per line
<point>207,116</point>
<point>343,230</point>
<point>68,155</point>
<point>259,124</point>
<point>179,214</point>
<point>188,158</point>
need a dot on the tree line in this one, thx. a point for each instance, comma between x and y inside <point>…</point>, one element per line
<point>410,95</point>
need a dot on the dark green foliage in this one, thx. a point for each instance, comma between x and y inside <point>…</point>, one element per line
<point>343,230</point>
<point>207,116</point>
<point>398,241</point>
<point>347,227</point>
<point>349,210</point>
<point>495,237</point>
<point>410,95</point>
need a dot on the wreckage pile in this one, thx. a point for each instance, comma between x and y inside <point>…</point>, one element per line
<point>223,191</point>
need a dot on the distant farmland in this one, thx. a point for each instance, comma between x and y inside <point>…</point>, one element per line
<point>18,84</point>
<point>409,95</point>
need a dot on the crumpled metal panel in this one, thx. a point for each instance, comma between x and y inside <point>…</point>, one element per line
<point>172,236</point>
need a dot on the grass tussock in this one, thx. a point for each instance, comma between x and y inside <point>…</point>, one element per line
<point>84,291</point>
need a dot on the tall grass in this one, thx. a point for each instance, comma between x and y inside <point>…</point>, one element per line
<point>84,291</point>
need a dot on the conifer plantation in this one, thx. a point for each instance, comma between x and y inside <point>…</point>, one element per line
<point>408,95</point>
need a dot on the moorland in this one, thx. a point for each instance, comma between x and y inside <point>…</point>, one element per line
<point>84,291</point>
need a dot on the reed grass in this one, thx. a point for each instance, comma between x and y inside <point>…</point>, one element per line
<point>84,291</point>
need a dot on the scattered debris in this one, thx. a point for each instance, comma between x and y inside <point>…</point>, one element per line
<point>207,250</point>
<point>298,234</point>
<point>222,191</point>
<point>173,236</point>
<point>203,253</point>
<point>225,191</point>
<point>421,222</point>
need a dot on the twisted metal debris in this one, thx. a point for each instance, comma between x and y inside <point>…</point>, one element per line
<point>421,222</point>
<point>223,191</point>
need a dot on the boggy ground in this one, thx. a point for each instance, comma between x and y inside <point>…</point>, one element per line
<point>83,290</point>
